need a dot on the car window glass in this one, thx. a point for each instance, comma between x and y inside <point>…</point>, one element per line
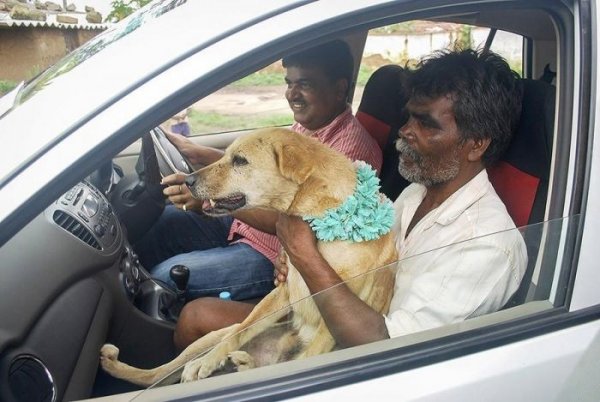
<point>408,42</point>
<point>95,45</point>
<point>255,101</point>
<point>546,250</point>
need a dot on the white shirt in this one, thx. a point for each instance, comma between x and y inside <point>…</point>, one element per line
<point>476,273</point>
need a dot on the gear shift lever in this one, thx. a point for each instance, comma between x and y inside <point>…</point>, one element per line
<point>180,274</point>
<point>171,303</point>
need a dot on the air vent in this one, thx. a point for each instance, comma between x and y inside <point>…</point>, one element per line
<point>73,226</point>
<point>30,380</point>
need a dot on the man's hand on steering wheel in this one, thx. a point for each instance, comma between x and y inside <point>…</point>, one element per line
<point>196,154</point>
<point>179,194</point>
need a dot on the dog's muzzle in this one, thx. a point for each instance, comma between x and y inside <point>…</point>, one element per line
<point>190,180</point>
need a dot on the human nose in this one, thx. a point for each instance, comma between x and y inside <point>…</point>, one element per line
<point>406,131</point>
<point>291,92</point>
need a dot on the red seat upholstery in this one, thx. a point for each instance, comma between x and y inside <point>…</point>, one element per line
<point>521,176</point>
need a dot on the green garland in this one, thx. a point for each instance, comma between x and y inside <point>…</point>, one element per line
<point>365,215</point>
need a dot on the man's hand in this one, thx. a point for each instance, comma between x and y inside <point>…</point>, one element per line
<point>197,155</point>
<point>350,320</point>
<point>179,194</point>
<point>281,268</point>
<point>297,238</point>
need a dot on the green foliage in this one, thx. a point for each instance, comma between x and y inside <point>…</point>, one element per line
<point>122,8</point>
<point>464,40</point>
<point>516,65</point>
<point>205,123</point>
<point>364,72</point>
<point>6,86</point>
<point>261,78</point>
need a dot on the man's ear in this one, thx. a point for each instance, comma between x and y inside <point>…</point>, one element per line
<point>293,162</point>
<point>478,148</point>
<point>341,89</point>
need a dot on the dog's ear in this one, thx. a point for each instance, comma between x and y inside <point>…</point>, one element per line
<point>293,162</point>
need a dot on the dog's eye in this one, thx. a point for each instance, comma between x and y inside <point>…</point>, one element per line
<point>239,160</point>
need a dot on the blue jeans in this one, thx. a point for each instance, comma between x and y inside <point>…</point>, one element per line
<point>200,243</point>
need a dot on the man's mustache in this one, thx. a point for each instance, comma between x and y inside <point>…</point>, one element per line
<point>406,150</point>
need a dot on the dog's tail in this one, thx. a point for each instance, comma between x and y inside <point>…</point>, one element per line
<point>168,373</point>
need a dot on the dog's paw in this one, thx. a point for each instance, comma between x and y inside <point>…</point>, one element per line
<point>197,369</point>
<point>241,360</point>
<point>108,356</point>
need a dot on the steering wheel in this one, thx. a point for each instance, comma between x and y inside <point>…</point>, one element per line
<point>138,199</point>
<point>169,159</point>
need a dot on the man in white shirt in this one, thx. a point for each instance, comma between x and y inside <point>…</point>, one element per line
<point>463,109</point>
<point>477,271</point>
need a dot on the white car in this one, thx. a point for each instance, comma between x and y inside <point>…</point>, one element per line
<point>69,280</point>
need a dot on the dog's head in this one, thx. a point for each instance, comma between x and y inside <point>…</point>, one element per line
<point>274,169</point>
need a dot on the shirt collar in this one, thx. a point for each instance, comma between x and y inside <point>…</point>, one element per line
<point>325,133</point>
<point>461,200</point>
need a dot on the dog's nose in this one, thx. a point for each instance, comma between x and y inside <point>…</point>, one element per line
<point>190,180</point>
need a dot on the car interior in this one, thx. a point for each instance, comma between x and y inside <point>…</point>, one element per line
<point>84,272</point>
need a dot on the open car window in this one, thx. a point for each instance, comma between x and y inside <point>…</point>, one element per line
<point>548,246</point>
<point>255,101</point>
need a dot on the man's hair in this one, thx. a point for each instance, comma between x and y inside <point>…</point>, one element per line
<point>486,94</point>
<point>333,58</point>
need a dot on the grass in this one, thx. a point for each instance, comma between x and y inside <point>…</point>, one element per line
<point>269,78</point>
<point>6,86</point>
<point>261,78</point>
<point>205,123</point>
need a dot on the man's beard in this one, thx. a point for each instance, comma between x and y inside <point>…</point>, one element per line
<point>426,170</point>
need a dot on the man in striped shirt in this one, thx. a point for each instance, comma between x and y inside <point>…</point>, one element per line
<point>236,254</point>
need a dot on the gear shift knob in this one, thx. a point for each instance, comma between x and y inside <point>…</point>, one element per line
<point>180,274</point>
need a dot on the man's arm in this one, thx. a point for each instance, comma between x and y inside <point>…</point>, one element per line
<point>350,320</point>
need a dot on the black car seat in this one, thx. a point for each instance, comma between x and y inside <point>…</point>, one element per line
<point>521,176</point>
<point>382,113</point>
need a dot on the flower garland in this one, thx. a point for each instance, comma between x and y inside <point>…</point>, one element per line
<point>365,215</point>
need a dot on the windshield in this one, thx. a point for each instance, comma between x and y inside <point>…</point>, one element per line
<point>95,45</point>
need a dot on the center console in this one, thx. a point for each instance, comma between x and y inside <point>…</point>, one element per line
<point>87,214</point>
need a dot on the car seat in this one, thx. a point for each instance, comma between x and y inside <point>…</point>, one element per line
<point>521,176</point>
<point>382,113</point>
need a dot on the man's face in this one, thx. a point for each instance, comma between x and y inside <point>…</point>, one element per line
<point>430,147</point>
<point>313,98</point>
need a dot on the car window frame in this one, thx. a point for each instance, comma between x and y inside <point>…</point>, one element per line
<point>502,334</point>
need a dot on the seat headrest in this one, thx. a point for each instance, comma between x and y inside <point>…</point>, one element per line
<point>521,175</point>
<point>382,103</point>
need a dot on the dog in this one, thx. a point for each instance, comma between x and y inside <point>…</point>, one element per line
<point>279,170</point>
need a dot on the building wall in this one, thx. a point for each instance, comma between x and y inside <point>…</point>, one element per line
<point>27,51</point>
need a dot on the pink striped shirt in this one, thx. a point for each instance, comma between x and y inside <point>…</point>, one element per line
<point>344,134</point>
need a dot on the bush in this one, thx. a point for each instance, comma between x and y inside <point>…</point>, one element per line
<point>6,86</point>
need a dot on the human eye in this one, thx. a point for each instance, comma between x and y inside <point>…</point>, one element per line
<point>306,84</point>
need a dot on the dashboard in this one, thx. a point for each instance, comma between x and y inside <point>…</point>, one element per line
<point>85,213</point>
<point>71,282</point>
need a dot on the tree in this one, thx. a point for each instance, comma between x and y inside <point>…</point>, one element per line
<point>122,8</point>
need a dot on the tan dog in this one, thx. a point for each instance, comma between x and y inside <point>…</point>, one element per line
<point>280,170</point>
